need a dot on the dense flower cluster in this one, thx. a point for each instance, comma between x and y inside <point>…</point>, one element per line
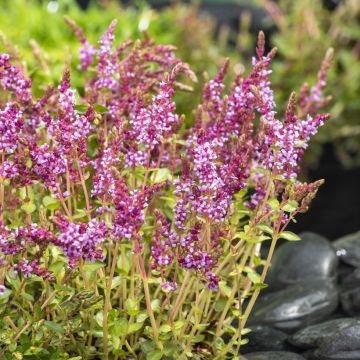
<point>21,240</point>
<point>70,130</point>
<point>11,122</point>
<point>164,249</point>
<point>114,160</point>
<point>48,165</point>
<point>82,240</point>
<point>105,179</point>
<point>13,80</point>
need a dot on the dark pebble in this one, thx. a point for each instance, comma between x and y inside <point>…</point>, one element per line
<point>265,338</point>
<point>312,336</point>
<point>312,258</point>
<point>350,294</point>
<point>273,355</point>
<point>296,306</point>
<point>348,249</point>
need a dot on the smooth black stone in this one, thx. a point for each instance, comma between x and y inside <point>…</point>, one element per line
<point>312,258</point>
<point>273,355</point>
<point>265,338</point>
<point>344,271</point>
<point>350,294</point>
<point>348,249</point>
<point>314,335</point>
<point>345,344</point>
<point>296,306</point>
<point>342,355</point>
<point>309,355</point>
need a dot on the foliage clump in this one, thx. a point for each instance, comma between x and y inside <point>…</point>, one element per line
<point>125,233</point>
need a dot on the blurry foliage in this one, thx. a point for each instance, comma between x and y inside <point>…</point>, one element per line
<point>305,29</point>
<point>46,42</point>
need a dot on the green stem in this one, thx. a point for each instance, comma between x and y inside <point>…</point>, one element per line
<point>251,302</point>
<point>262,280</point>
<point>233,292</point>
<point>200,305</point>
<point>86,194</point>
<point>179,297</point>
<point>107,304</point>
<point>148,300</point>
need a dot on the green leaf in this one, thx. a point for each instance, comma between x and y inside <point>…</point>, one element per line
<point>27,296</point>
<point>141,317</point>
<point>155,305</point>
<point>202,327</point>
<point>170,349</point>
<point>288,235</point>
<point>91,267</point>
<point>291,206</point>
<point>154,355</point>
<point>28,207</point>
<point>165,328</point>
<point>219,343</point>
<point>30,193</point>
<point>116,342</point>
<point>274,203</point>
<point>100,108</point>
<point>81,108</point>
<point>116,282</point>
<point>260,286</point>
<point>147,346</point>
<point>220,304</point>
<point>178,324</point>
<point>244,212</point>
<point>120,327</point>
<point>198,338</point>
<point>265,228</point>
<point>244,341</point>
<point>160,175</point>
<point>245,331</point>
<point>131,306</point>
<point>54,327</point>
<point>81,213</point>
<point>124,264</point>
<point>57,267</point>
<point>39,335</point>
<point>224,288</point>
<point>29,163</point>
<point>134,327</point>
<point>99,317</point>
<point>51,203</point>
<point>252,275</point>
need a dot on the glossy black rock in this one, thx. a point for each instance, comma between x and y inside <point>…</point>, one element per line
<point>313,336</point>
<point>312,258</point>
<point>343,355</point>
<point>348,249</point>
<point>350,294</point>
<point>296,306</point>
<point>345,344</point>
<point>273,355</point>
<point>265,338</point>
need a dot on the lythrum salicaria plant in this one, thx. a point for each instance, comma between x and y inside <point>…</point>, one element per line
<point>126,234</point>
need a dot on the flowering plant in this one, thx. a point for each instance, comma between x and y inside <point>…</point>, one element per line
<point>126,234</point>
